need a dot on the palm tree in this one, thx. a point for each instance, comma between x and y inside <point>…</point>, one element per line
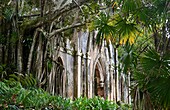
<point>150,69</point>
<point>152,79</point>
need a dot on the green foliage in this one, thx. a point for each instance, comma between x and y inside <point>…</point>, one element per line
<point>95,103</point>
<point>128,19</point>
<point>89,10</point>
<point>155,64</point>
<point>14,96</point>
<point>115,28</point>
<point>14,38</point>
<point>6,70</point>
<point>152,76</point>
<point>130,6</point>
<point>101,22</point>
<point>127,30</point>
<point>2,39</point>
<point>8,13</point>
<point>49,64</point>
<point>26,80</point>
<point>2,71</point>
<point>128,57</point>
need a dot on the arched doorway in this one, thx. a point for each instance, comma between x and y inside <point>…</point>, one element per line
<point>59,77</point>
<point>98,81</point>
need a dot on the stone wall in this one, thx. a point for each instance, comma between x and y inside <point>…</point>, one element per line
<point>89,69</point>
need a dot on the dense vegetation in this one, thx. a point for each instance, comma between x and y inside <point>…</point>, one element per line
<point>138,29</point>
<point>14,97</point>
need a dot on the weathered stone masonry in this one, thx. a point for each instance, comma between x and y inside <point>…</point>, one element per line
<point>89,70</point>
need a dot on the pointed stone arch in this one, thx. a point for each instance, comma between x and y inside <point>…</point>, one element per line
<point>60,78</point>
<point>98,77</point>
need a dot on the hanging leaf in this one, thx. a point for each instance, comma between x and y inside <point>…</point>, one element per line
<point>127,31</point>
<point>49,65</point>
<point>104,25</point>
<point>8,13</point>
<point>14,38</point>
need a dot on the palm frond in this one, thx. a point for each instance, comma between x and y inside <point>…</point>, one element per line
<point>127,31</point>
<point>155,64</point>
<point>153,76</point>
<point>160,89</point>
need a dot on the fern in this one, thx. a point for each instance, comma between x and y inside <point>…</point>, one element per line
<point>26,80</point>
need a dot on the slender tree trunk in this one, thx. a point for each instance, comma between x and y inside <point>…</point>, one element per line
<point>39,59</point>
<point>19,55</point>
<point>31,52</point>
<point>19,58</point>
<point>44,76</point>
<point>40,69</point>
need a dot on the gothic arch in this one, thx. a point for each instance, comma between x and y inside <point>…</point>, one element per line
<point>99,62</point>
<point>98,77</point>
<point>60,77</point>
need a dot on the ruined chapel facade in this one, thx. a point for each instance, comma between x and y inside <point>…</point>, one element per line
<point>87,69</point>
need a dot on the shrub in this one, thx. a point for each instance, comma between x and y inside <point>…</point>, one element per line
<point>14,97</point>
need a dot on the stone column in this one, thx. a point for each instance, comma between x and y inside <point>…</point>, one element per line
<point>66,68</point>
<point>112,83</point>
<point>107,81</point>
<point>69,71</point>
<point>112,73</point>
<point>77,68</point>
<point>87,75</point>
<point>88,67</point>
<point>107,73</point>
<point>78,74</point>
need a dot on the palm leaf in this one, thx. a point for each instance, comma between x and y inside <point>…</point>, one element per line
<point>153,75</point>
<point>102,23</point>
<point>128,58</point>
<point>155,64</point>
<point>160,89</point>
<point>127,30</point>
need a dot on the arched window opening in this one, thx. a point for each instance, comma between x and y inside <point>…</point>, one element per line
<point>59,77</point>
<point>98,82</point>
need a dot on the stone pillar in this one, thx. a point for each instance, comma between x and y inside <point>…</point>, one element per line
<point>112,73</point>
<point>107,80</point>
<point>66,67</point>
<point>69,71</point>
<point>89,67</point>
<point>87,75</point>
<point>83,77</point>
<point>107,73</point>
<point>77,68</point>
<point>112,83</point>
<point>116,75</point>
<point>78,74</point>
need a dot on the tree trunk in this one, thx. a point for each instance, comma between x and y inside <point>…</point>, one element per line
<point>31,52</point>
<point>19,58</point>
<point>19,50</point>
<point>39,59</point>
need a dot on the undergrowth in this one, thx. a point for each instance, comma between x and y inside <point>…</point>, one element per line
<point>13,96</point>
